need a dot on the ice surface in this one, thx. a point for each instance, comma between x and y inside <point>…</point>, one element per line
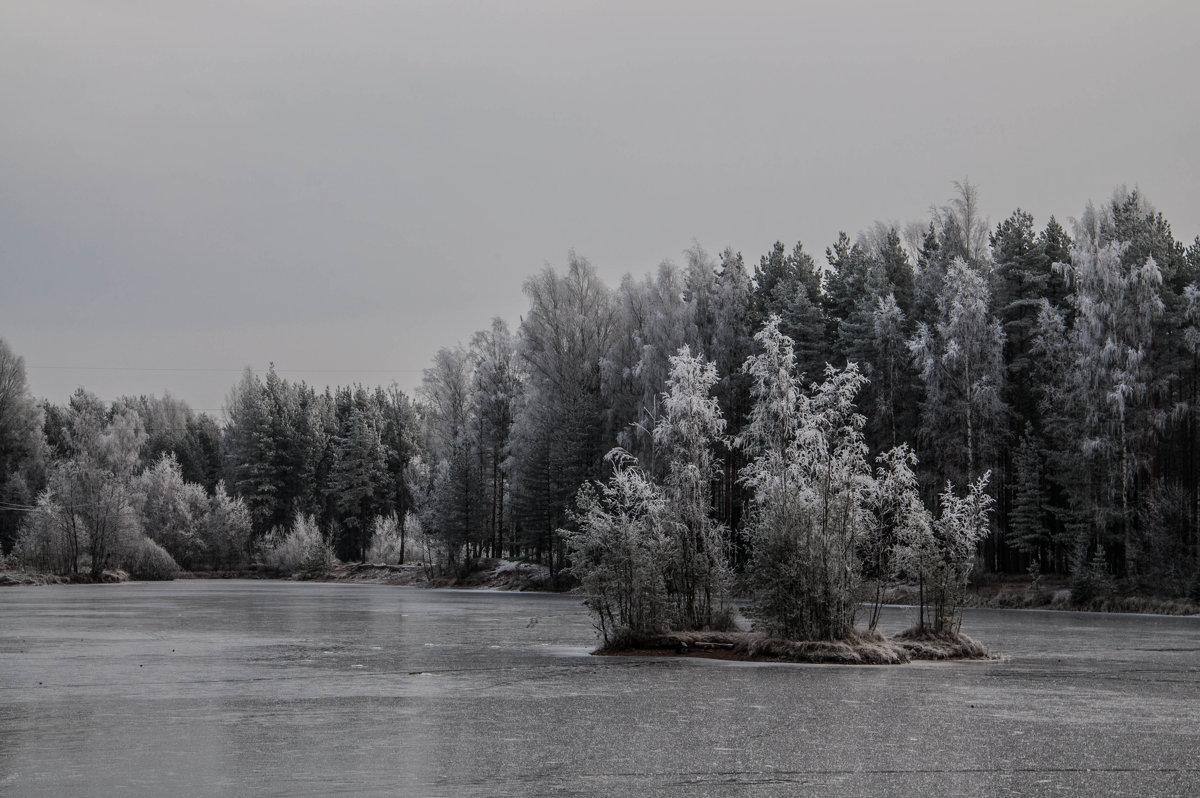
<point>277,688</point>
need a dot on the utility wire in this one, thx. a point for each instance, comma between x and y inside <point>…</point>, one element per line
<point>225,370</point>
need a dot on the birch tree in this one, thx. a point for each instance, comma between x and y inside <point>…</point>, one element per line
<point>897,517</point>
<point>960,361</point>
<point>941,556</point>
<point>811,484</point>
<point>1117,305</point>
<point>686,434</point>
<point>619,545</point>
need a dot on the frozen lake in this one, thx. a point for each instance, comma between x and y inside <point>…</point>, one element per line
<point>275,688</point>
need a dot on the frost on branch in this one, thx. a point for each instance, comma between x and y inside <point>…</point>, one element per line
<point>811,486</point>
<point>940,557</point>
<point>619,549</point>
<point>686,432</point>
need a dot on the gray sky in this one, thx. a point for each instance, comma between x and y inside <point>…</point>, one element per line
<point>188,188</point>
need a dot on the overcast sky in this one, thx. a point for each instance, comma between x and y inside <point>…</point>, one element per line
<point>342,187</point>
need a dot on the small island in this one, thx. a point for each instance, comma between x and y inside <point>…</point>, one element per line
<point>823,526</point>
<point>857,648</point>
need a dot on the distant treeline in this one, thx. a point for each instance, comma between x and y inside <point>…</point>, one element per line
<point>1064,362</point>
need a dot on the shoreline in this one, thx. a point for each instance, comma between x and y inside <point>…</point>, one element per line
<point>511,575</point>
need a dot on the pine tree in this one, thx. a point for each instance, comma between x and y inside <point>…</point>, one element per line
<point>495,385</point>
<point>728,344</point>
<point>1027,520</point>
<point>359,480</point>
<point>788,285</point>
<point>565,340</point>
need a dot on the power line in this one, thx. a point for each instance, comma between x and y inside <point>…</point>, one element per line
<point>223,370</point>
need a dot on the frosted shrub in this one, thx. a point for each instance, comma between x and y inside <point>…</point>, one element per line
<point>145,559</point>
<point>619,551</point>
<point>387,541</point>
<point>226,530</point>
<point>941,557</point>
<point>897,515</point>
<point>302,551</point>
<point>172,511</point>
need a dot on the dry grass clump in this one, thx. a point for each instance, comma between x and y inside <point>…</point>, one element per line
<point>929,645</point>
<point>860,648</point>
<point>1146,605</point>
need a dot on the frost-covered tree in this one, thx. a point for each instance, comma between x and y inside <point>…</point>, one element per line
<point>446,393</point>
<point>811,486</point>
<point>960,361</point>
<point>455,512</point>
<point>50,540</point>
<point>619,546</point>
<point>687,431</point>
<point>897,517</point>
<point>90,495</point>
<point>387,541</point>
<point>172,427</point>
<point>942,556</point>
<point>1117,304</point>
<point>227,530</point>
<point>963,229</point>
<point>172,511</point>
<point>300,550</point>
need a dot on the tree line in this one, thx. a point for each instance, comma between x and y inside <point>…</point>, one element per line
<point>1062,361</point>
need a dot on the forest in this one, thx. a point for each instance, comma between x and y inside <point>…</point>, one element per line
<point>1053,368</point>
